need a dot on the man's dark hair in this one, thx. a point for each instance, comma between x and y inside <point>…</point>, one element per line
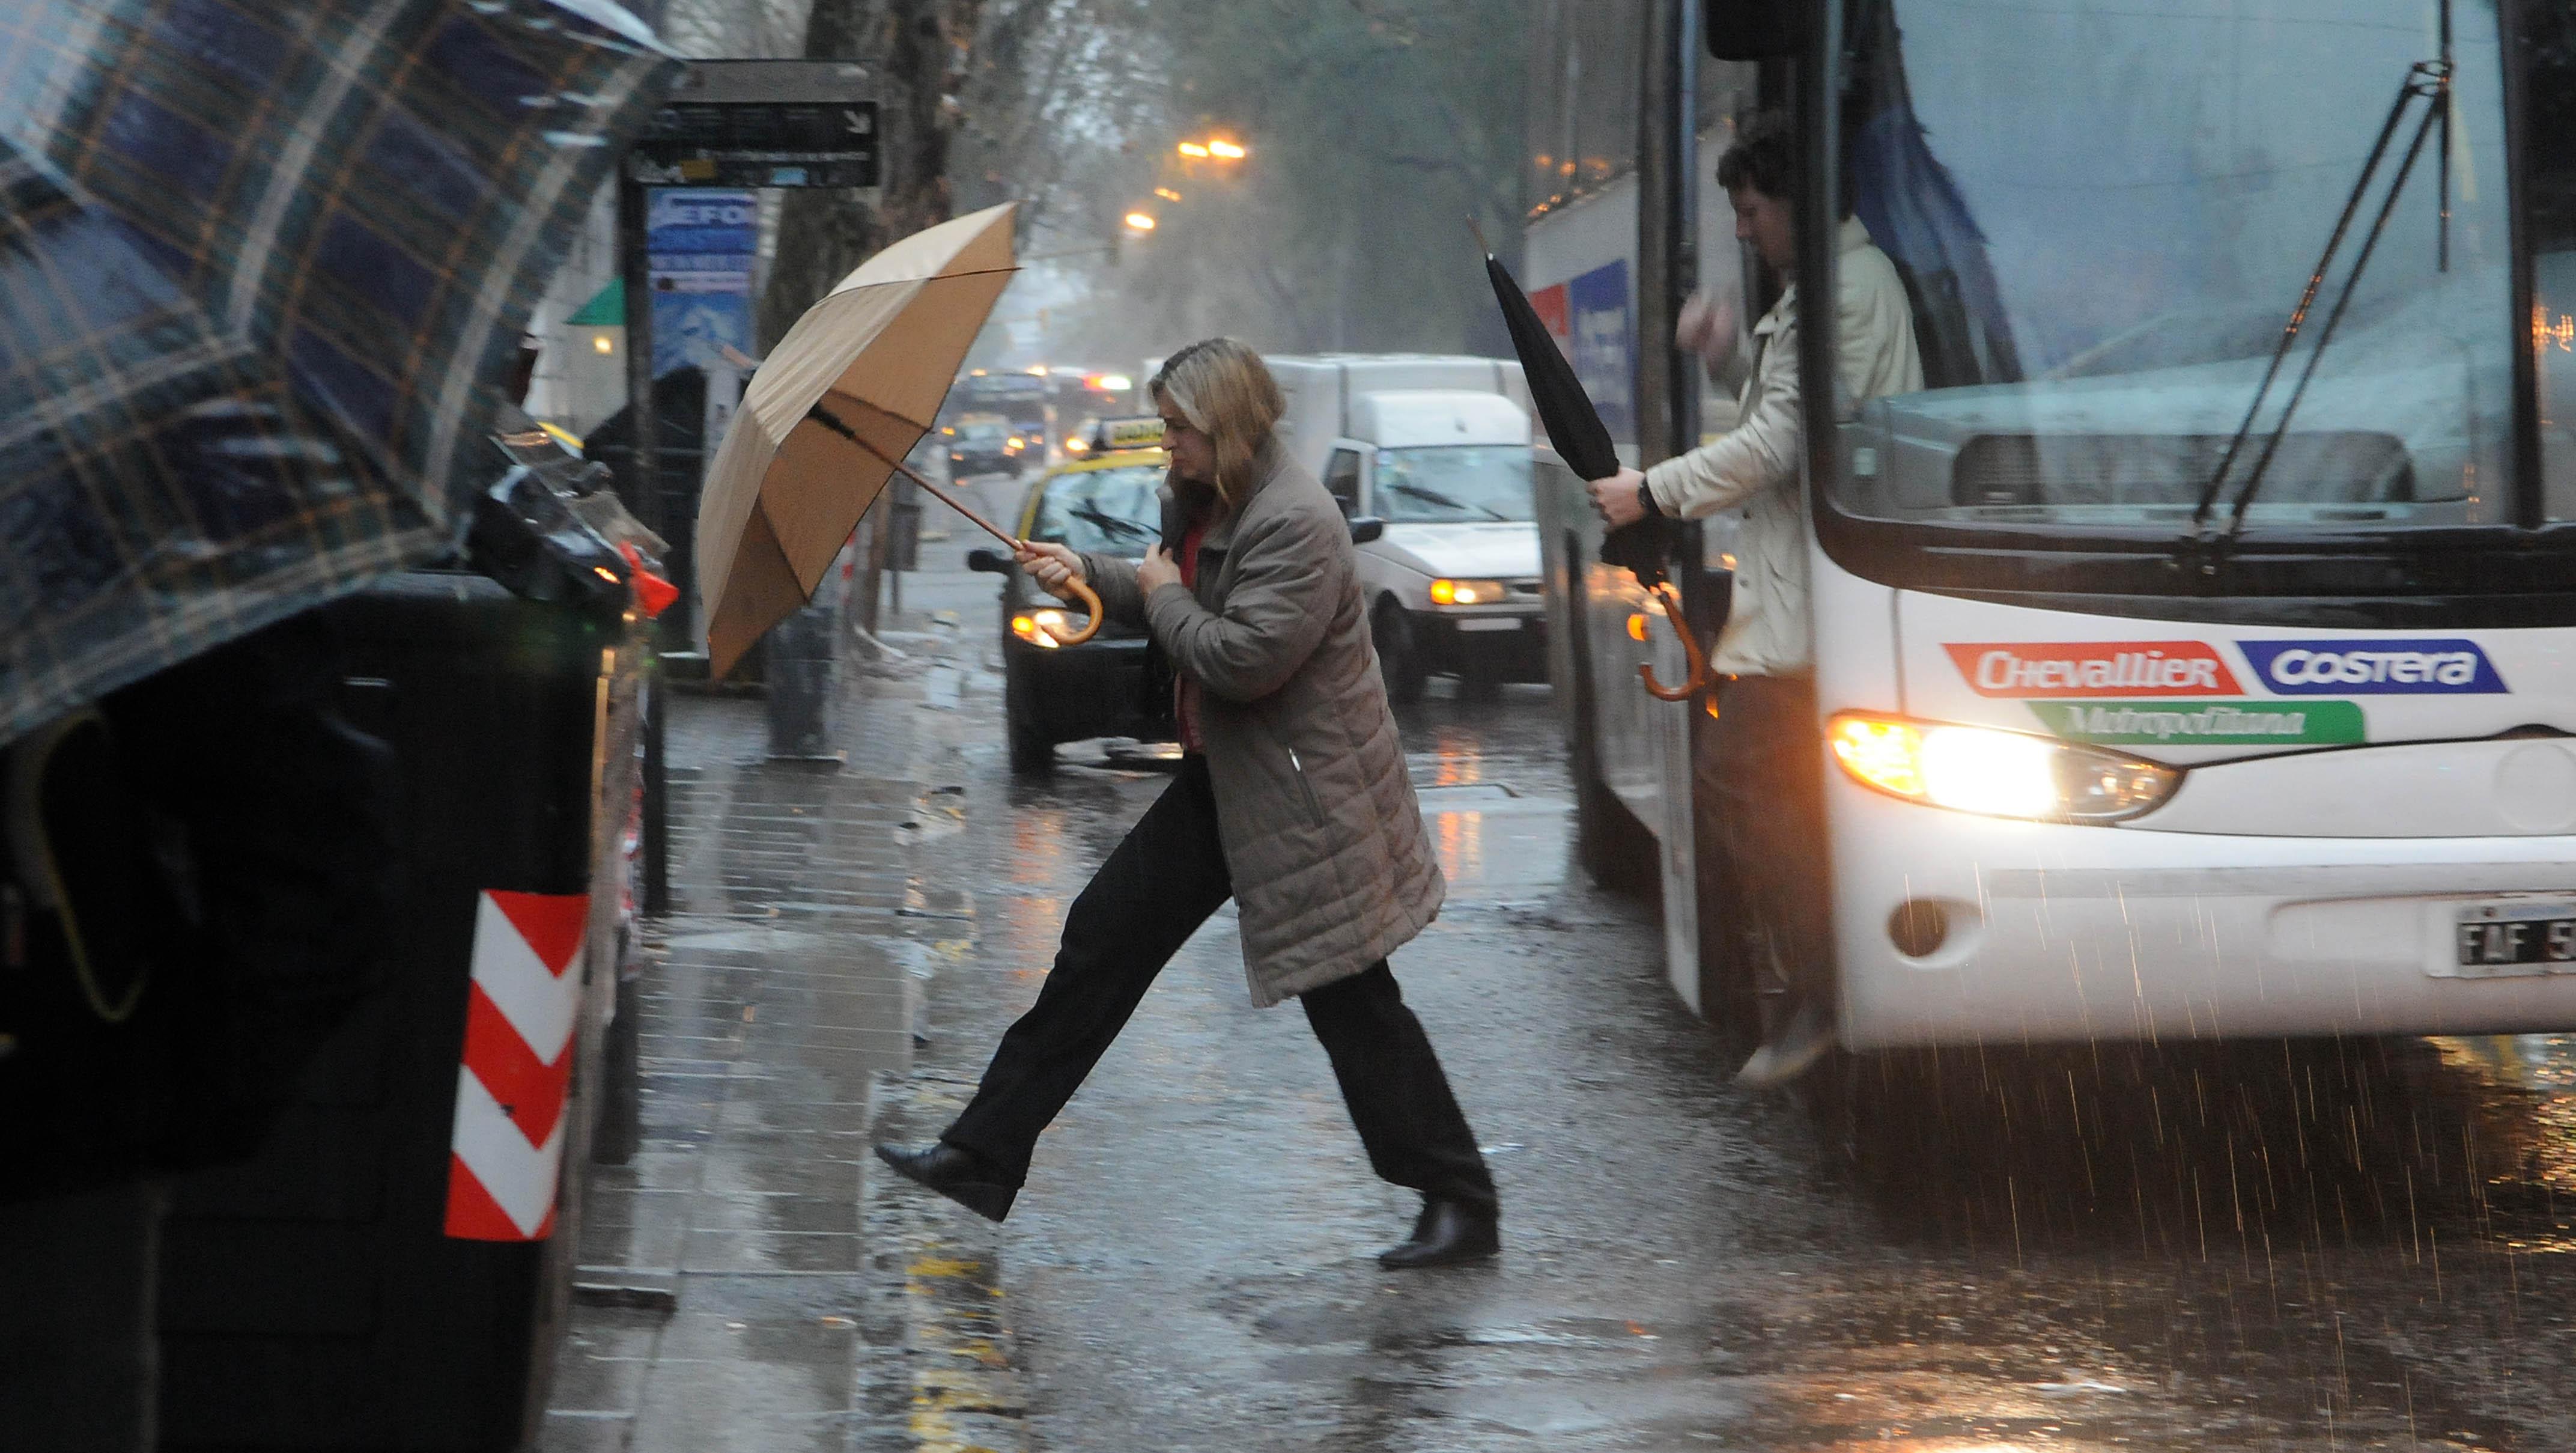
<point>1764,157</point>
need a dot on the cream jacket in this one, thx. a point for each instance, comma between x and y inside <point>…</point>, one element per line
<point>1756,465</point>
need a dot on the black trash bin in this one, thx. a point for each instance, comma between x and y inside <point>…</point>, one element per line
<point>393,1271</point>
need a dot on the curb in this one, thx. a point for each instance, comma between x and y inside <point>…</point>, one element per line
<point>958,1377</point>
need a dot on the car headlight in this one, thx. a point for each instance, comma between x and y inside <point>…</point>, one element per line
<point>1467,592</point>
<point>1997,773</point>
<point>1035,626</point>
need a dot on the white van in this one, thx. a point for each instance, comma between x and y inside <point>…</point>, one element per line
<point>1438,448</point>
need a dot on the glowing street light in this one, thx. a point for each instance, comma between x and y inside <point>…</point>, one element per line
<point>1167,194</point>
<point>1141,221</point>
<point>1226,151</point>
<point>1194,148</point>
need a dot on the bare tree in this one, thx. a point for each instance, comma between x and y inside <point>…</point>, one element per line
<point>706,29</point>
<point>921,49</point>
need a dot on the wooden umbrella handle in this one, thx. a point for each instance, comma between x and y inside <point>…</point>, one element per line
<point>1090,598</point>
<point>1090,628</point>
<point>1696,681</point>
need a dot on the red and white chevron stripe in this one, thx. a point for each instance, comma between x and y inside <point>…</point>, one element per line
<point>521,1010</point>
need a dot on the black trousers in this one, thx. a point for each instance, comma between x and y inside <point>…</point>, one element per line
<point>1160,884</point>
<point>1768,780</point>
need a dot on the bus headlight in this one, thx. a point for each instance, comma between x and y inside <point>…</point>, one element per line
<point>1466,592</point>
<point>1997,773</point>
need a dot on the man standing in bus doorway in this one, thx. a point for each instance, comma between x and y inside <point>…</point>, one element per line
<point>1765,775</point>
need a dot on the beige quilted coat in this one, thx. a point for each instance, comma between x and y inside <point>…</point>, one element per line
<point>1323,836</point>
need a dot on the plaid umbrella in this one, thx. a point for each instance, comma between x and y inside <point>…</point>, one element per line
<point>262,266</point>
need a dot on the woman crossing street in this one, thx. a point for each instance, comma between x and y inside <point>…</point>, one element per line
<point>1292,799</point>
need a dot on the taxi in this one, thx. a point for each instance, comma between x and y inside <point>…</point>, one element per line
<point>1106,501</point>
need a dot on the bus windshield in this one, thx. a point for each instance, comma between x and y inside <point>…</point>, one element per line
<point>1454,484</point>
<point>2105,215</point>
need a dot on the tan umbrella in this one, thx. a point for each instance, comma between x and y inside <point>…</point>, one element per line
<point>828,418</point>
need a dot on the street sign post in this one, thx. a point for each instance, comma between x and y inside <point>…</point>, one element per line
<point>730,123</point>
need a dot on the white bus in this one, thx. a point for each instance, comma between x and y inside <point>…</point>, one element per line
<point>2174,685</point>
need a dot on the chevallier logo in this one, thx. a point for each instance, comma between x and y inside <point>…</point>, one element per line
<point>2094,668</point>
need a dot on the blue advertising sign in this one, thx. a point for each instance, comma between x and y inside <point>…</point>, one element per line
<point>2416,666</point>
<point>702,242</point>
<point>702,221</point>
<point>1604,349</point>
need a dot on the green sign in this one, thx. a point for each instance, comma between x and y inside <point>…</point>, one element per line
<point>2203,723</point>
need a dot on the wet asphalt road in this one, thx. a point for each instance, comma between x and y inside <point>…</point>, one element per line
<point>2316,1245</point>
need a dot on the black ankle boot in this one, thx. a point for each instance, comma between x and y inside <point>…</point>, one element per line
<point>959,1174</point>
<point>1448,1233</point>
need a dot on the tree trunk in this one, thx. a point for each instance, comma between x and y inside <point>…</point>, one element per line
<point>922,47</point>
<point>823,235</point>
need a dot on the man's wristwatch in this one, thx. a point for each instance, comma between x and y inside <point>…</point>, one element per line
<point>1646,500</point>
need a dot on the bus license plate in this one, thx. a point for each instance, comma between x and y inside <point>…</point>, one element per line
<point>2516,938</point>
<point>1490,623</point>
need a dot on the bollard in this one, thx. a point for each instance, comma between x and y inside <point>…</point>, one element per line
<point>803,666</point>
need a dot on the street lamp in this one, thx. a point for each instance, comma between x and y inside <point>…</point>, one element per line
<point>1224,150</point>
<point>1197,149</point>
<point>1141,221</point>
<point>1167,194</point>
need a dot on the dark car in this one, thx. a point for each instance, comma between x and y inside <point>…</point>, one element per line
<point>984,445</point>
<point>1053,693</point>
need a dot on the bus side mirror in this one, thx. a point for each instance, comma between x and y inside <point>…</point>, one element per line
<point>1365,528</point>
<point>1751,30</point>
<point>989,562</point>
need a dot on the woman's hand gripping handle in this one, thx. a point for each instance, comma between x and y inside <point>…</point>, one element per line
<point>1058,571</point>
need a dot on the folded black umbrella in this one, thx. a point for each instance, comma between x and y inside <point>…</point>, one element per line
<point>1564,409</point>
<point>1574,426</point>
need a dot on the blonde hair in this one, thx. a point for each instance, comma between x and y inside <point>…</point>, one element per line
<point>1226,392</point>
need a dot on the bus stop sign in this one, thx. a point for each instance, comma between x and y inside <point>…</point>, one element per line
<point>764,124</point>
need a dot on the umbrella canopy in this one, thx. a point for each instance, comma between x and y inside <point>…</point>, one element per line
<point>1564,409</point>
<point>842,398</point>
<point>1574,426</point>
<point>262,266</point>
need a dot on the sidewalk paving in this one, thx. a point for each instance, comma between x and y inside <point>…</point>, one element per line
<point>784,981</point>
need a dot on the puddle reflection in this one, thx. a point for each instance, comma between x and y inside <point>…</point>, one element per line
<point>1459,839</point>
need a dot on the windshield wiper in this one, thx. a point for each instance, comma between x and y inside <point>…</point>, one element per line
<point>1092,516</point>
<point>1435,497</point>
<point>2429,81</point>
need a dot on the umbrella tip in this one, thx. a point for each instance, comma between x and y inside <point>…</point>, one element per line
<point>1481,244</point>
